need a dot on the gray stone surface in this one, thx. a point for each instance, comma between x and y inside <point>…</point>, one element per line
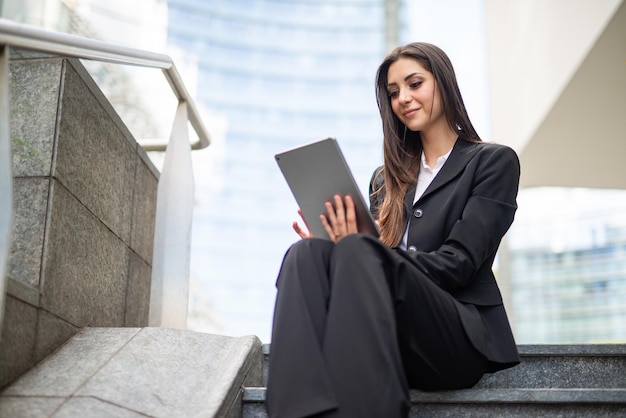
<point>18,339</point>
<point>30,197</point>
<point>85,270</point>
<point>254,394</point>
<point>52,331</point>
<point>535,395</point>
<point>23,292</point>
<point>84,195</point>
<point>17,406</point>
<point>553,366</point>
<point>93,408</point>
<point>138,292</point>
<point>145,158</point>
<point>155,372</point>
<point>144,211</point>
<point>66,370</point>
<point>491,403</point>
<point>17,53</point>
<point>95,160</point>
<point>253,410</point>
<point>34,89</point>
<point>515,411</point>
<point>266,358</point>
<point>569,372</point>
<point>551,381</point>
<point>494,380</point>
<point>173,373</point>
<point>569,350</point>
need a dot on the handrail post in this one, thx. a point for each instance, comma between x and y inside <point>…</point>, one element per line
<point>172,233</point>
<point>6,177</point>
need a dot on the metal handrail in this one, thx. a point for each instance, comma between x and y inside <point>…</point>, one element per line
<point>42,40</point>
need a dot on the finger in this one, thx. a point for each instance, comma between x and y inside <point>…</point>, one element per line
<point>304,220</point>
<point>330,213</point>
<point>340,216</point>
<point>300,231</point>
<point>329,220</point>
<point>329,229</point>
<point>351,223</point>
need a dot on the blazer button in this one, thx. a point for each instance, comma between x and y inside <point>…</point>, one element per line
<point>418,213</point>
<point>412,248</point>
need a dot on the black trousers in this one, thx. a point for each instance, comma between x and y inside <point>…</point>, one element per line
<point>355,325</point>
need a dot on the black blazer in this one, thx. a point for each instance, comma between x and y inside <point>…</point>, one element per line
<point>455,229</point>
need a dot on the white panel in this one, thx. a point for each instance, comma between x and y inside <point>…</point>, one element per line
<point>535,47</point>
<point>172,235</point>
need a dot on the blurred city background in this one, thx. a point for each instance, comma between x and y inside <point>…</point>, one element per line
<point>545,77</point>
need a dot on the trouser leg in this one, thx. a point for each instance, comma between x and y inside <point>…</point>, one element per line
<point>360,345</point>
<point>334,338</point>
<point>298,383</point>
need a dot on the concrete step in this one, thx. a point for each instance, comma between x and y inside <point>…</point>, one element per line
<point>550,381</point>
<point>488,403</point>
<point>553,366</point>
<point>138,372</point>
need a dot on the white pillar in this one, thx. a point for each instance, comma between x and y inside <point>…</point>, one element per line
<point>172,236</point>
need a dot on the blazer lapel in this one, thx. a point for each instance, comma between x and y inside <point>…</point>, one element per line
<point>462,152</point>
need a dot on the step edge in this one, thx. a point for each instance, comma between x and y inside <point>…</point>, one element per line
<point>572,350</point>
<point>542,350</point>
<point>504,396</point>
<point>524,395</point>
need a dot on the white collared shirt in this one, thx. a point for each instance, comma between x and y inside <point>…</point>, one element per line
<point>424,178</point>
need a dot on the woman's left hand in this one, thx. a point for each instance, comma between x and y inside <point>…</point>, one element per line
<point>304,234</point>
<point>340,219</point>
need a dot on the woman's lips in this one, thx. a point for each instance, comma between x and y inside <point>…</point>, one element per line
<point>410,113</point>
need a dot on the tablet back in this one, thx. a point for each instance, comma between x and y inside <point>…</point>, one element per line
<point>315,173</point>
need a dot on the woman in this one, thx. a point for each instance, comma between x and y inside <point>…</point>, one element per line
<point>359,320</point>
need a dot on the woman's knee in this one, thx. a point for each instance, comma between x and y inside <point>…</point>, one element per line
<point>357,246</point>
<point>306,249</point>
<point>307,255</point>
<point>358,256</point>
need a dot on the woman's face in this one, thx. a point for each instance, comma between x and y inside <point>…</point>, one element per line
<point>414,95</point>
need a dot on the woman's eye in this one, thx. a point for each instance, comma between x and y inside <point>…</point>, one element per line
<point>392,94</point>
<point>415,84</point>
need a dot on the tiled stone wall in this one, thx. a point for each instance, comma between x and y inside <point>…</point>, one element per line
<point>85,202</point>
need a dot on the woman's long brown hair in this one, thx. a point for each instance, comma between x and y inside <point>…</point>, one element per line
<point>402,147</point>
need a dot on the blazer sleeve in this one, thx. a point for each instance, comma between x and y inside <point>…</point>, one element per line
<point>475,236</point>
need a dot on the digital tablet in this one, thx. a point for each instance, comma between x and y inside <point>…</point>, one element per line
<point>315,173</point>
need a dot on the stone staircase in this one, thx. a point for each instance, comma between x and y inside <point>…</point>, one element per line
<point>551,381</point>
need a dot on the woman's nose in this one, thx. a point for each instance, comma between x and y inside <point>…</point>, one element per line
<point>405,96</point>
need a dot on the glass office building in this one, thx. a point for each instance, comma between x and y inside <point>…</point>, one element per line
<point>568,267</point>
<point>271,75</point>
